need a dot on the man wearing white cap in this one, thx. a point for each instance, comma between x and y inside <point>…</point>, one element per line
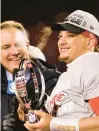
<point>74,102</point>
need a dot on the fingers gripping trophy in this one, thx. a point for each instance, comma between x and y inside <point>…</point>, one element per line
<point>28,96</point>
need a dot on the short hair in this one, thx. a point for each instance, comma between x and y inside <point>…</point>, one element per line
<point>97,47</point>
<point>14,24</point>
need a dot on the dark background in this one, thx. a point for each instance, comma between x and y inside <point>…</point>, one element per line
<point>36,14</point>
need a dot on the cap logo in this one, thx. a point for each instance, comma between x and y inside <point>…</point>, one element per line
<point>74,20</point>
<point>84,24</point>
<point>79,16</point>
<point>91,27</point>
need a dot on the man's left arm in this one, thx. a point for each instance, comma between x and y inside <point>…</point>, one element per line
<point>49,123</point>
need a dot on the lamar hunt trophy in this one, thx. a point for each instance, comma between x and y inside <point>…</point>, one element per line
<point>29,95</point>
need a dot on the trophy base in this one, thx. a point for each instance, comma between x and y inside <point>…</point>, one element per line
<point>31,117</point>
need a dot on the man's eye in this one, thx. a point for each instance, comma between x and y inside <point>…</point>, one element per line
<point>21,44</point>
<point>6,47</point>
<point>59,36</point>
<point>72,35</point>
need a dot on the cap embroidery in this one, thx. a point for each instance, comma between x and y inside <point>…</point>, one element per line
<point>91,27</point>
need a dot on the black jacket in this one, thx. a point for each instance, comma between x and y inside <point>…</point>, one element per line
<point>9,103</point>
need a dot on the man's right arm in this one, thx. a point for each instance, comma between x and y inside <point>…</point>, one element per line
<point>89,124</point>
<point>83,124</point>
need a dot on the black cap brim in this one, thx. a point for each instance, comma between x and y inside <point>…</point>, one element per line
<point>66,26</point>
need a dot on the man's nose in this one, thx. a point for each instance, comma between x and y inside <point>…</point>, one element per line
<point>14,50</point>
<point>62,41</point>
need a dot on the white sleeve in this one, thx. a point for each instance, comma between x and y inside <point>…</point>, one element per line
<point>60,124</point>
<point>36,53</point>
<point>91,81</point>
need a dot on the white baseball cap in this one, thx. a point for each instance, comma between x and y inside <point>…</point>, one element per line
<point>77,22</point>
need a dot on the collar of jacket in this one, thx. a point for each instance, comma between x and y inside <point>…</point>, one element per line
<point>4,81</point>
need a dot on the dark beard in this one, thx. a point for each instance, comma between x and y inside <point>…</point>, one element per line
<point>62,59</point>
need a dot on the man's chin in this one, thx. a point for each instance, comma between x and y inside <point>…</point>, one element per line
<point>63,58</point>
<point>15,66</point>
<point>14,63</point>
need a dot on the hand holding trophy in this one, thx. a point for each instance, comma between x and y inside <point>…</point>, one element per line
<point>26,95</point>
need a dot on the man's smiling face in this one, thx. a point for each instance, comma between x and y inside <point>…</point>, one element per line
<point>71,46</point>
<point>13,47</point>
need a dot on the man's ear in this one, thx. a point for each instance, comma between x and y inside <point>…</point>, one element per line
<point>27,45</point>
<point>91,44</point>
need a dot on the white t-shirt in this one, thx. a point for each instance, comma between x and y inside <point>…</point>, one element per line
<point>76,86</point>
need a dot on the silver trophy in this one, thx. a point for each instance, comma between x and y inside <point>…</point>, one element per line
<point>29,96</point>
